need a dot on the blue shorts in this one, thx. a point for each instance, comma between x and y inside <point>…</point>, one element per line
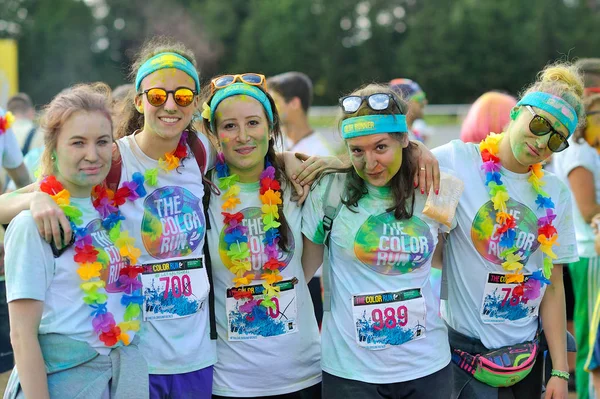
<point>196,384</point>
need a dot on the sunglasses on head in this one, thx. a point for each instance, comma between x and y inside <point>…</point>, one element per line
<point>540,127</point>
<point>157,96</point>
<point>252,79</point>
<point>376,101</point>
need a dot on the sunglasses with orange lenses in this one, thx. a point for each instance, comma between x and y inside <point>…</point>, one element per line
<point>157,96</point>
<point>252,79</point>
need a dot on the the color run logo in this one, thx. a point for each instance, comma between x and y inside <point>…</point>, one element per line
<point>391,246</point>
<point>488,242</point>
<point>173,223</point>
<point>102,242</point>
<point>256,235</point>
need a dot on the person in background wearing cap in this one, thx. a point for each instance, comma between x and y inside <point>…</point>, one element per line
<point>412,92</point>
<point>382,336</point>
<point>504,261</point>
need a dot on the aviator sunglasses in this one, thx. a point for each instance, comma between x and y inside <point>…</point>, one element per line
<point>376,101</point>
<point>540,126</point>
<point>157,96</point>
<point>252,79</point>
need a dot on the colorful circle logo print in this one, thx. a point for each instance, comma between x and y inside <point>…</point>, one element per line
<point>173,223</point>
<point>487,241</point>
<point>256,235</point>
<point>390,246</point>
<point>107,250</point>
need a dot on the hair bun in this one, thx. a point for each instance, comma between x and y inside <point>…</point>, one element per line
<point>568,74</point>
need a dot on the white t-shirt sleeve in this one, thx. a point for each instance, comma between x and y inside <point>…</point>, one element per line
<point>578,155</point>
<point>28,259</point>
<point>312,212</point>
<point>12,156</point>
<point>446,154</point>
<point>566,250</point>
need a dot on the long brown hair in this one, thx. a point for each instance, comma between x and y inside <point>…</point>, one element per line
<point>83,97</point>
<point>271,156</point>
<point>130,119</point>
<point>401,184</point>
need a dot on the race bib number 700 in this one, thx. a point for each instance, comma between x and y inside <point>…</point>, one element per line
<point>174,289</point>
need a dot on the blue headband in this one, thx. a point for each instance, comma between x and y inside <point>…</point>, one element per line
<point>237,89</point>
<point>373,124</point>
<point>163,61</point>
<point>555,106</point>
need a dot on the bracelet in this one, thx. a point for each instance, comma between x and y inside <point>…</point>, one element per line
<point>560,374</point>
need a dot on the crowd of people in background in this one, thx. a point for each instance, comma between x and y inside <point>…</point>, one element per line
<point>172,240</point>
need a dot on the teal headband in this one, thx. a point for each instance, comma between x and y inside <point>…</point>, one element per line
<point>554,105</point>
<point>237,89</point>
<point>373,124</point>
<point>163,61</point>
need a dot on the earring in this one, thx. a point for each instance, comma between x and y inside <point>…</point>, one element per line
<point>53,157</point>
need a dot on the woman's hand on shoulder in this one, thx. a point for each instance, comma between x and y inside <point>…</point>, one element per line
<point>310,168</point>
<point>428,174</point>
<point>49,219</point>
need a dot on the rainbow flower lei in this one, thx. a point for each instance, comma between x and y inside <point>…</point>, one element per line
<point>6,122</point>
<point>237,239</point>
<point>547,234</point>
<point>91,261</point>
<point>168,162</point>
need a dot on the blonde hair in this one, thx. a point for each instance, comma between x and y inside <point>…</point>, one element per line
<point>563,80</point>
<point>83,97</point>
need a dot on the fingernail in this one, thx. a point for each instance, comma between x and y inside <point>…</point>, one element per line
<point>416,184</point>
<point>437,192</point>
<point>422,191</point>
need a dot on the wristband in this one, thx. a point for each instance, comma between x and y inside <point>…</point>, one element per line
<point>560,374</point>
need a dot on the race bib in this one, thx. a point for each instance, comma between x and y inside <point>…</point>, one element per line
<point>174,289</point>
<point>389,318</point>
<point>501,304</point>
<point>248,319</point>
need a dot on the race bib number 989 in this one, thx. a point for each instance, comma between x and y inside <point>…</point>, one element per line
<point>389,318</point>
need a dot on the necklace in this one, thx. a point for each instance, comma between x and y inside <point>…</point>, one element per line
<point>91,261</point>
<point>237,239</point>
<point>547,234</point>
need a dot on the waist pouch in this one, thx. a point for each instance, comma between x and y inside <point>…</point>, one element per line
<point>501,367</point>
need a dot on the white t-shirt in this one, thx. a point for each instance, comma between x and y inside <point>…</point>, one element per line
<point>168,225</point>
<point>32,272</point>
<point>383,326</point>
<point>580,155</point>
<point>479,303</point>
<point>266,353</point>
<point>313,144</point>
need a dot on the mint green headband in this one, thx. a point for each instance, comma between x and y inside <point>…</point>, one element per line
<point>373,124</point>
<point>554,105</point>
<point>237,89</point>
<point>164,61</point>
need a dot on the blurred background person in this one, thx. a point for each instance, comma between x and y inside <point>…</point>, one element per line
<point>24,127</point>
<point>579,168</point>
<point>489,113</point>
<point>417,100</point>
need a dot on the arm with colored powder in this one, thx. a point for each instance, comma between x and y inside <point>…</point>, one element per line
<point>48,217</point>
<point>25,316</point>
<point>312,257</point>
<point>554,321</point>
<point>20,175</point>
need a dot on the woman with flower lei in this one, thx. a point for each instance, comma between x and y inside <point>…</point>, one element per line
<point>268,340</point>
<point>73,319</point>
<point>515,231</point>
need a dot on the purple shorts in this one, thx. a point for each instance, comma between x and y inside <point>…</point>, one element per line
<point>196,384</point>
